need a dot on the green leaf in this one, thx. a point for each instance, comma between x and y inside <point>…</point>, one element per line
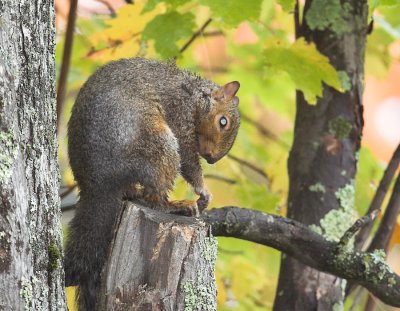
<point>167,29</point>
<point>287,5</point>
<point>373,4</point>
<point>234,12</point>
<point>151,4</point>
<point>306,66</point>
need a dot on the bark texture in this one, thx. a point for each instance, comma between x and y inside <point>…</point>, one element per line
<point>322,163</point>
<point>31,275</point>
<point>159,261</point>
<point>298,241</point>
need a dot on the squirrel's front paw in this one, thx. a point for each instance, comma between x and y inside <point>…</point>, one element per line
<point>204,200</point>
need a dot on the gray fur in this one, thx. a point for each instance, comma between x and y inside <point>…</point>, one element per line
<point>135,121</point>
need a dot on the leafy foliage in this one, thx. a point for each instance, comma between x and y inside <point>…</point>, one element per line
<point>121,37</point>
<point>162,29</point>
<point>305,65</point>
<point>151,4</point>
<point>287,5</point>
<point>233,13</point>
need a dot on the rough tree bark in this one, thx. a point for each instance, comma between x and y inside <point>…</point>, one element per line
<point>323,159</point>
<point>31,275</point>
<point>159,261</point>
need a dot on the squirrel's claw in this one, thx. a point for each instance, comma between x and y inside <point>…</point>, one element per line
<point>204,200</point>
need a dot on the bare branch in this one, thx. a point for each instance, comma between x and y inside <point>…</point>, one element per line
<point>298,241</point>
<point>109,7</point>
<point>297,26</point>
<point>69,38</point>
<point>360,223</point>
<point>249,165</point>
<point>195,35</point>
<point>221,178</point>
<point>379,196</point>
<point>263,130</point>
<point>70,188</point>
<point>386,227</point>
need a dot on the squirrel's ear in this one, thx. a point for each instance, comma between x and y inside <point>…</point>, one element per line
<point>228,91</point>
<point>235,101</point>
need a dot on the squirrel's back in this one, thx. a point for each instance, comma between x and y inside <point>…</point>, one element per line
<point>117,103</point>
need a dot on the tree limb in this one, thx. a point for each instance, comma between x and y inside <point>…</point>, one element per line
<point>69,38</point>
<point>249,165</point>
<point>263,130</point>
<point>298,241</point>
<point>386,227</point>
<point>195,35</point>
<point>379,196</point>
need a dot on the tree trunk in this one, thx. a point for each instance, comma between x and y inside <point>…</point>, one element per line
<point>31,275</point>
<point>159,261</point>
<point>323,160</point>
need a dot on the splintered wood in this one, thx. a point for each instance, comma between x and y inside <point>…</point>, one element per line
<point>159,261</point>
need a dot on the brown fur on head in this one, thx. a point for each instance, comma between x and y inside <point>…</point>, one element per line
<point>217,130</point>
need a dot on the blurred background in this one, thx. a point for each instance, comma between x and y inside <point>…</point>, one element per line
<point>230,48</point>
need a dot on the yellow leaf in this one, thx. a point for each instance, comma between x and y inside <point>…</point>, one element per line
<point>305,65</point>
<point>71,298</point>
<point>122,36</point>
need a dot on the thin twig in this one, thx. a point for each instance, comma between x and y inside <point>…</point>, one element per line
<point>66,59</point>
<point>383,234</point>
<point>297,26</point>
<point>112,44</point>
<point>109,7</point>
<point>70,188</point>
<point>214,33</point>
<point>221,178</point>
<point>379,196</point>
<point>195,35</point>
<point>249,165</point>
<point>263,130</point>
<point>360,223</point>
<point>70,207</point>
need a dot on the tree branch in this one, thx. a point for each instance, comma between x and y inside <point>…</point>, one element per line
<point>298,241</point>
<point>195,35</point>
<point>69,189</point>
<point>109,7</point>
<point>379,196</point>
<point>263,130</point>
<point>227,180</point>
<point>297,26</point>
<point>359,224</point>
<point>249,165</point>
<point>385,229</point>
<point>69,38</point>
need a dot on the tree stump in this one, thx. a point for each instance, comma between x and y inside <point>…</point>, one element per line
<point>159,261</point>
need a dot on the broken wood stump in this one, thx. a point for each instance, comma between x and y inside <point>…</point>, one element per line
<point>159,261</point>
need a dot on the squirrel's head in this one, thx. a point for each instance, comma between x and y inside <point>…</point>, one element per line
<point>217,130</point>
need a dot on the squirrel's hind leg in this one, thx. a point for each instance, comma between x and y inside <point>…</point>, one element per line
<point>156,165</point>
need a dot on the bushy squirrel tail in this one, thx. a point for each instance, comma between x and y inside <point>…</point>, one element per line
<point>89,237</point>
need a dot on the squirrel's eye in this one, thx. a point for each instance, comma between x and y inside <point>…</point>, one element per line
<point>223,122</point>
